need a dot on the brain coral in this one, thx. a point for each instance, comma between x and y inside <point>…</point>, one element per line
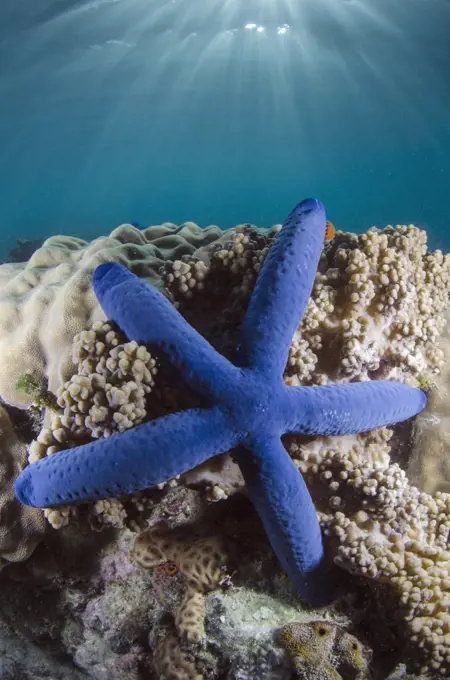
<point>21,527</point>
<point>324,651</point>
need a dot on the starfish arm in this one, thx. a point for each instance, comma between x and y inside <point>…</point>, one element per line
<point>282,500</point>
<point>282,290</point>
<point>352,408</point>
<point>147,316</point>
<point>139,458</point>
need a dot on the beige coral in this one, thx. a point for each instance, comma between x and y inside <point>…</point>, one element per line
<point>386,530</point>
<point>109,390</point>
<point>171,662</point>
<point>45,302</point>
<point>202,561</point>
<point>107,394</point>
<point>21,527</point>
<point>376,309</point>
<point>429,468</point>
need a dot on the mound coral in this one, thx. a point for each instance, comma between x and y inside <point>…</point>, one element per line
<point>46,301</point>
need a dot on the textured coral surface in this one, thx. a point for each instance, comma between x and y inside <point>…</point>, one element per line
<point>377,310</point>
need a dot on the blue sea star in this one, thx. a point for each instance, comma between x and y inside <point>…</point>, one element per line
<point>250,407</point>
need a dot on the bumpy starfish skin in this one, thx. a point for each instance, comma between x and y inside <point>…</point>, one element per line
<point>250,406</point>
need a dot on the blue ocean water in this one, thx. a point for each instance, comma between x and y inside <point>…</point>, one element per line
<point>222,111</point>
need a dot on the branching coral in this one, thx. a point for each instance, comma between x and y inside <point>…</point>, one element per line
<point>376,309</point>
<point>378,305</point>
<point>107,394</point>
<point>384,529</point>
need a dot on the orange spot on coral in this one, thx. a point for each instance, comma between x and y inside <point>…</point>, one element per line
<point>166,569</point>
<point>171,568</point>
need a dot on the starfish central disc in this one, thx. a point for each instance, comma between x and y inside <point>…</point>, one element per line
<point>253,403</point>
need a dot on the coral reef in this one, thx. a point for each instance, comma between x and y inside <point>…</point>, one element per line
<point>46,301</point>
<point>93,610</point>
<point>247,405</point>
<point>203,562</point>
<point>21,528</point>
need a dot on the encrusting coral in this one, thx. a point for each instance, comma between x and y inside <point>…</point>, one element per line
<point>21,527</point>
<point>203,562</point>
<point>171,662</point>
<point>247,405</point>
